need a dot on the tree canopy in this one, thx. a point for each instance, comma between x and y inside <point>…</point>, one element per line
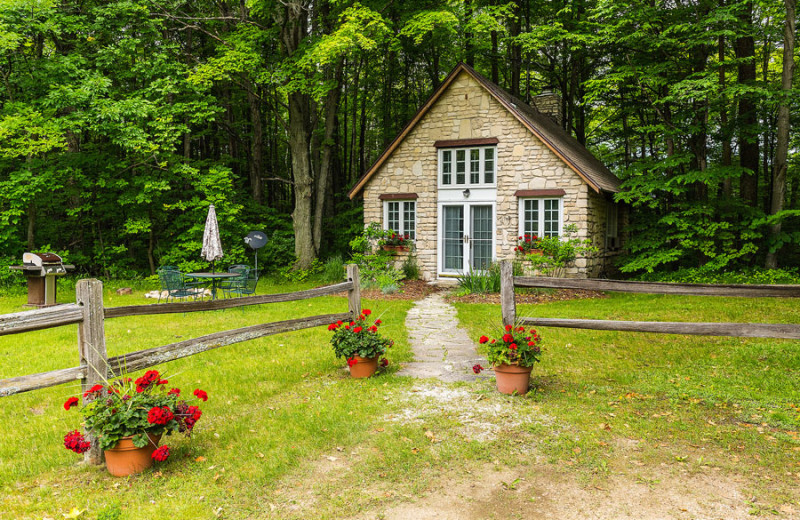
<point>122,120</point>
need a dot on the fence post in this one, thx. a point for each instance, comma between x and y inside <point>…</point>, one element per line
<point>354,294</point>
<point>508,305</point>
<point>92,346</point>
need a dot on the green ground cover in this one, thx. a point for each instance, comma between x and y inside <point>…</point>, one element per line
<point>286,434</point>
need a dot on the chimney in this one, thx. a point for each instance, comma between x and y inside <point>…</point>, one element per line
<point>549,103</point>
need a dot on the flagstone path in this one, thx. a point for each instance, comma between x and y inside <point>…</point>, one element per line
<point>441,348</point>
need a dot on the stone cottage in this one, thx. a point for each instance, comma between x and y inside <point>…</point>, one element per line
<point>476,168</point>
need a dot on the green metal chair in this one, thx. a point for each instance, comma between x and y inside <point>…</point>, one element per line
<point>247,286</point>
<point>236,285</point>
<point>173,284</point>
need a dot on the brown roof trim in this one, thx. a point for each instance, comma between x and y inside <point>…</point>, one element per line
<point>494,91</point>
<point>406,129</point>
<point>398,196</point>
<point>458,143</point>
<point>540,193</point>
<point>512,107</point>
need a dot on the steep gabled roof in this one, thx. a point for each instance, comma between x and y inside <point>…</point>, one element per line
<point>574,154</point>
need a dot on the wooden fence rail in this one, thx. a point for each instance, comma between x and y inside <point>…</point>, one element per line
<point>748,330</point>
<point>96,367</point>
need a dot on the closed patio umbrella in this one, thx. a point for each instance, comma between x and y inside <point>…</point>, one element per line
<point>212,245</point>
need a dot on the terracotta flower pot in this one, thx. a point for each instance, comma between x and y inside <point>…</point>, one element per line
<point>395,248</point>
<point>364,367</point>
<point>126,459</point>
<point>512,378</point>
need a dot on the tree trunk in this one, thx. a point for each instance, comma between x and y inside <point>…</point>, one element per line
<point>748,121</point>
<point>31,225</point>
<point>257,150</point>
<point>328,149</point>
<point>782,145</point>
<point>515,48</point>
<point>494,59</point>
<point>727,186</point>
<point>293,20</point>
<point>469,47</point>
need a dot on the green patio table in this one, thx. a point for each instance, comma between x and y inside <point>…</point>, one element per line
<point>213,277</point>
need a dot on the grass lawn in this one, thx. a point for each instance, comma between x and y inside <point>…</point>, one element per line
<point>286,433</point>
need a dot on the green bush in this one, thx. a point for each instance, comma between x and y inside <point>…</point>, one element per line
<point>754,275</point>
<point>333,271</point>
<point>480,282</point>
<point>410,268</point>
<point>558,252</point>
<point>375,264</point>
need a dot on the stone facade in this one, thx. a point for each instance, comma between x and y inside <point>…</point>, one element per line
<point>466,110</point>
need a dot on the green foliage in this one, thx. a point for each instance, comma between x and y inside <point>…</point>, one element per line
<point>559,252</point>
<point>359,338</point>
<point>410,268</point>
<point>124,408</point>
<point>291,274</point>
<point>514,345</point>
<point>333,271</point>
<point>375,264</point>
<point>480,282</point>
<point>705,274</point>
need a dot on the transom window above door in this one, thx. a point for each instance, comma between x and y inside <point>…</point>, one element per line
<point>467,166</point>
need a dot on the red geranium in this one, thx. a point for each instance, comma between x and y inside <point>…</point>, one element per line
<point>72,401</point>
<point>160,415</point>
<point>161,453</point>
<point>200,394</point>
<point>75,441</point>
<point>96,389</point>
<point>516,347</point>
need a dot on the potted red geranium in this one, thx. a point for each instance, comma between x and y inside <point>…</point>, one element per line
<point>528,245</point>
<point>394,241</point>
<point>360,343</point>
<point>129,417</point>
<point>513,357</point>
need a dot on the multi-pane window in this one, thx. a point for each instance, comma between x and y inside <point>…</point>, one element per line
<point>447,166</point>
<point>471,166</point>
<point>540,217</point>
<point>401,217</point>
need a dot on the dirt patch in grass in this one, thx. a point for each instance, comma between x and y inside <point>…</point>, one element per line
<point>524,485</point>
<point>409,290</point>
<point>546,491</point>
<point>542,296</point>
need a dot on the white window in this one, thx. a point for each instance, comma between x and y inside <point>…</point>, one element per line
<point>401,217</point>
<point>540,217</point>
<point>462,167</point>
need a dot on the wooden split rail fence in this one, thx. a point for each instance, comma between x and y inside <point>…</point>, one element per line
<point>748,330</point>
<point>94,364</point>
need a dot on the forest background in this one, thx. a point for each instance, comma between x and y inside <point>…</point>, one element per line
<point>120,121</point>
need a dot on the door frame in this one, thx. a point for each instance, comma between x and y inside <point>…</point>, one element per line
<point>441,273</point>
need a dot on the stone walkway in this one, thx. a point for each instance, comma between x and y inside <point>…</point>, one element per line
<point>441,348</point>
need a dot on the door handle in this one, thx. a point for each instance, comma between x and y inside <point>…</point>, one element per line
<point>466,239</point>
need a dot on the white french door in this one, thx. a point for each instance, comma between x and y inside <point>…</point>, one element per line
<point>466,237</point>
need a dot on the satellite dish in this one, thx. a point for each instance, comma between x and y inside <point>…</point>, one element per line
<point>256,239</point>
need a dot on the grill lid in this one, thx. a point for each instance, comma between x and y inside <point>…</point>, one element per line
<point>38,259</point>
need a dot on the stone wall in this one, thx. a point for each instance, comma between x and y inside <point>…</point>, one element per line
<point>466,111</point>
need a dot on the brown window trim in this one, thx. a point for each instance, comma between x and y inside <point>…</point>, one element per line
<point>540,193</point>
<point>398,196</point>
<point>461,143</point>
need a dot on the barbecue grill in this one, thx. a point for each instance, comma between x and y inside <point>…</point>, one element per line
<point>41,270</point>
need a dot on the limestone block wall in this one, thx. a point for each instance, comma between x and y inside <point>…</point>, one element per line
<point>523,162</point>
